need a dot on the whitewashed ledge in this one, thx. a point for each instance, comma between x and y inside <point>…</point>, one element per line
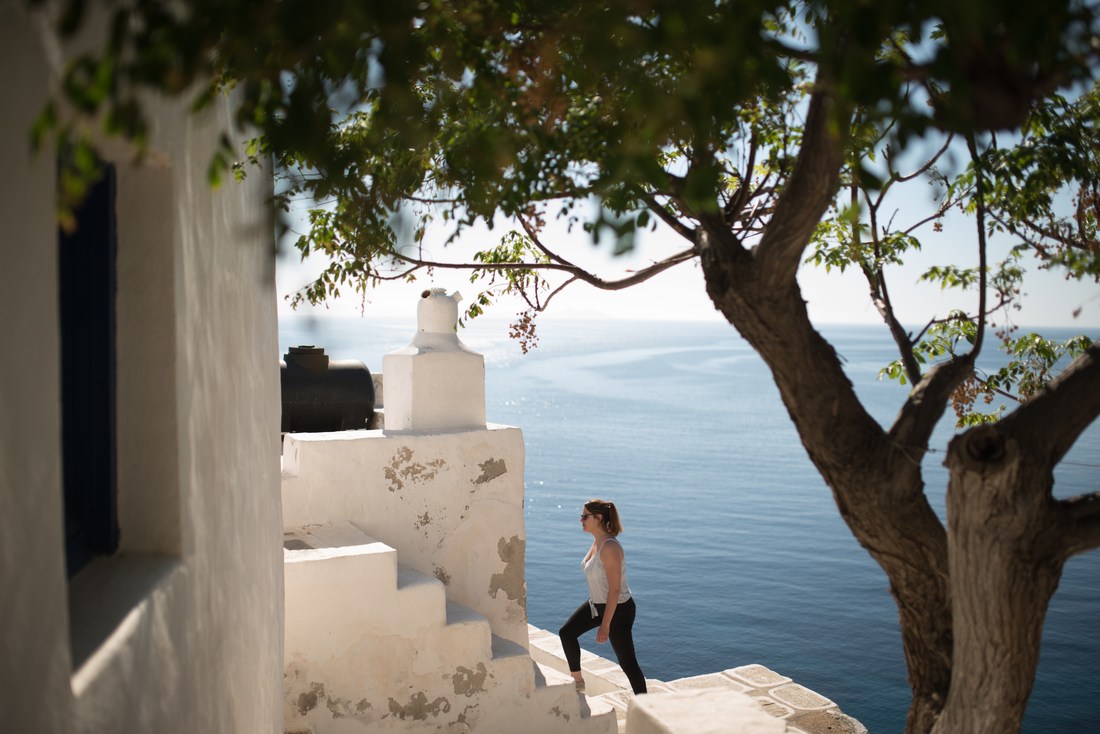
<point>750,699</point>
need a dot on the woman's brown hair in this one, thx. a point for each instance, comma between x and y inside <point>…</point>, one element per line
<point>609,516</point>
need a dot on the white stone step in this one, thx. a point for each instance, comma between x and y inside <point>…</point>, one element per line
<point>558,695</point>
<point>335,576</point>
<point>460,614</point>
<point>348,601</point>
<point>420,601</point>
<point>466,638</point>
<point>511,662</point>
<point>314,543</point>
<point>600,674</point>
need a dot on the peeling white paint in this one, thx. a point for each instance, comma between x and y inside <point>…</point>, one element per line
<point>345,478</point>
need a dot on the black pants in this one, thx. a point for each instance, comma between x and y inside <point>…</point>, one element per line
<point>622,640</point>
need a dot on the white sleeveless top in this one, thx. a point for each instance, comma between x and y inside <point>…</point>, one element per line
<point>596,577</point>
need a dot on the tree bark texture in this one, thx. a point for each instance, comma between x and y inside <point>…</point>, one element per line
<point>1008,540</point>
<point>1005,562</point>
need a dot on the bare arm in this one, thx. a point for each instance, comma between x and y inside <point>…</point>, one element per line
<point>612,556</point>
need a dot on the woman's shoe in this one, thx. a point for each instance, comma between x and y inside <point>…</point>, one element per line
<point>579,684</point>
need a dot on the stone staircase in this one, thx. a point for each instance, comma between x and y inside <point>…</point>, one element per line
<point>373,645</point>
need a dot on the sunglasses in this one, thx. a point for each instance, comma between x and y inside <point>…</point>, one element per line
<point>586,515</point>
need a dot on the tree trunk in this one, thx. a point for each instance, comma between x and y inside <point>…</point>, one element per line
<point>1006,559</point>
<point>972,597</point>
<point>877,486</point>
<point>875,476</point>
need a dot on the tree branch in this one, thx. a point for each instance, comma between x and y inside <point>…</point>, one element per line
<point>809,191</point>
<point>675,224</point>
<point>928,399</point>
<point>979,183</point>
<point>637,277</point>
<point>901,337</point>
<point>763,187</point>
<point>1042,249</point>
<point>741,197</point>
<point>926,166</point>
<point>534,235</point>
<point>1079,518</point>
<point>556,291</point>
<point>880,294</point>
<point>927,403</point>
<point>1053,419</point>
<point>930,218</point>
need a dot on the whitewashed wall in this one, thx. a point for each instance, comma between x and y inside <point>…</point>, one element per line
<point>181,631</point>
<point>451,503</point>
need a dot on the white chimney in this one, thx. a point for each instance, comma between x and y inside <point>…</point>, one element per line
<point>436,383</point>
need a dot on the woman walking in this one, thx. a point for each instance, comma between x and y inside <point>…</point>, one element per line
<point>610,608</point>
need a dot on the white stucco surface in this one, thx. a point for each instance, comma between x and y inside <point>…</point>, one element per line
<point>34,670</point>
<point>435,383</point>
<point>429,391</point>
<point>375,646</point>
<point>181,630</point>
<point>404,562</point>
<point>451,503</point>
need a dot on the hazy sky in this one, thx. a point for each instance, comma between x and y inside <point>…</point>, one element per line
<point>1049,299</point>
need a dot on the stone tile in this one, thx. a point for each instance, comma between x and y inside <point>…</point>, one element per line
<point>800,697</point>
<point>773,707</point>
<point>757,676</point>
<point>710,680</point>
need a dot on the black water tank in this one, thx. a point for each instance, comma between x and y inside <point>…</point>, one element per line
<point>319,395</point>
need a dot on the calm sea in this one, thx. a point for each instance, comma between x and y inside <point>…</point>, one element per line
<point>736,552</point>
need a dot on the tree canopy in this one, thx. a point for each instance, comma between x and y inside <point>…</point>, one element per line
<point>765,134</point>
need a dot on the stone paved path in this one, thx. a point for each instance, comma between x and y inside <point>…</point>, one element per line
<point>804,711</point>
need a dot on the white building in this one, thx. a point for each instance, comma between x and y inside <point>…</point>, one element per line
<point>168,502</point>
<point>406,600</point>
